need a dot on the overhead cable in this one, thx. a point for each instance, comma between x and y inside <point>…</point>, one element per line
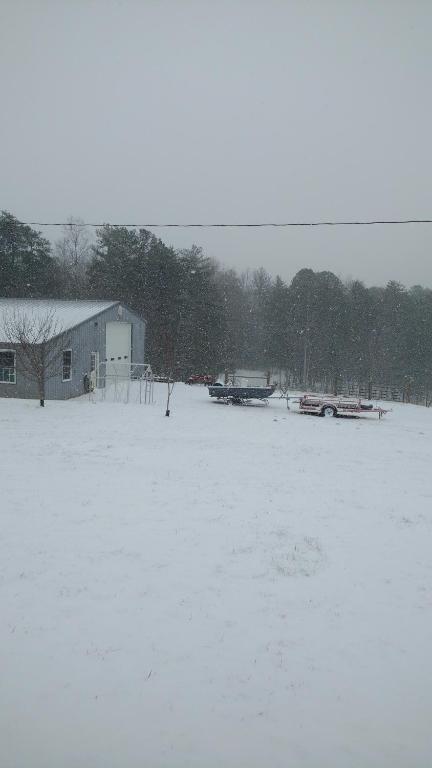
<point>231,225</point>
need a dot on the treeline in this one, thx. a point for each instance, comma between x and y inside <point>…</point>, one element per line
<point>203,318</point>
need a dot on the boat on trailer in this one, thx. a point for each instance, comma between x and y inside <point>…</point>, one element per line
<point>240,395</point>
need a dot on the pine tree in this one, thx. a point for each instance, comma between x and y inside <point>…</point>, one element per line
<point>27,268</point>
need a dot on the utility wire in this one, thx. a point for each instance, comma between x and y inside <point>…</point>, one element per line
<point>238,226</point>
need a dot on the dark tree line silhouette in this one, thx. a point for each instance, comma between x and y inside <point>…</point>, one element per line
<point>314,332</point>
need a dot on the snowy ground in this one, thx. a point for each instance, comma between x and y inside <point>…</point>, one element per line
<point>230,587</point>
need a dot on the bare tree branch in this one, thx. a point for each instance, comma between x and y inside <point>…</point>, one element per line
<point>40,342</point>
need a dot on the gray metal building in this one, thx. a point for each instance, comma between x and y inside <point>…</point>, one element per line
<point>95,333</point>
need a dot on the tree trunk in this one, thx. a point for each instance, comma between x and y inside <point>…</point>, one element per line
<point>305,365</point>
<point>335,383</point>
<point>42,392</point>
<point>42,374</point>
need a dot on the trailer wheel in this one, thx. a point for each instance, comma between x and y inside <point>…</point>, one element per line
<point>328,410</point>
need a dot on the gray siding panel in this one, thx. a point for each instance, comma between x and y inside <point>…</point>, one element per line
<point>24,387</point>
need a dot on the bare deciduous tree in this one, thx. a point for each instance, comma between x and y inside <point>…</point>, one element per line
<point>40,342</point>
<point>74,252</point>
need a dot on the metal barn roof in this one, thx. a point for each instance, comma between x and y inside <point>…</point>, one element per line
<point>66,313</point>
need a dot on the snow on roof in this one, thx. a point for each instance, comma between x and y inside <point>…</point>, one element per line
<point>66,314</point>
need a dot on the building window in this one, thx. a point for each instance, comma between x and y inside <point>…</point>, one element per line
<point>67,365</point>
<point>7,366</point>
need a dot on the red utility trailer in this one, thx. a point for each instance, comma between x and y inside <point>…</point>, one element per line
<point>334,405</point>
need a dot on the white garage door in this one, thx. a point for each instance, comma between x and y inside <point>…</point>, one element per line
<point>118,349</point>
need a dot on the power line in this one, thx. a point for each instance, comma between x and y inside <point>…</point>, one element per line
<point>232,225</point>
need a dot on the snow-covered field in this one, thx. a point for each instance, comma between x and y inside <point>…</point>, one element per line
<point>230,587</point>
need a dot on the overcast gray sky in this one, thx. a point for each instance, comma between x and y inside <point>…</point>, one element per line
<point>236,110</point>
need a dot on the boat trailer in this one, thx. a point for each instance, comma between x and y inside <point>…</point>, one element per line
<point>333,405</point>
<point>240,395</point>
